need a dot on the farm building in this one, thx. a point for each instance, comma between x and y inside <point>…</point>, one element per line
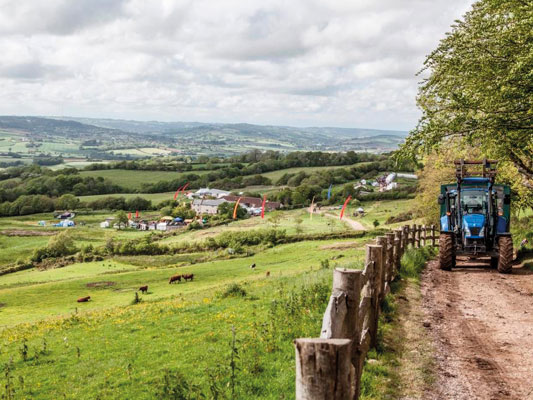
<point>253,202</point>
<point>206,206</point>
<point>202,193</point>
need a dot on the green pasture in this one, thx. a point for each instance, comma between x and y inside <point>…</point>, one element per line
<point>377,210</point>
<point>275,175</point>
<point>181,344</point>
<point>133,179</point>
<point>154,197</point>
<point>293,222</point>
<point>112,283</point>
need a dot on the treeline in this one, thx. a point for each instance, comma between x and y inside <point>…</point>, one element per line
<point>34,204</point>
<point>36,180</point>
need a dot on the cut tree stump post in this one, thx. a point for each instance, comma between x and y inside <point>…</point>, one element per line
<point>405,237</point>
<point>382,242</point>
<point>398,248</point>
<point>373,254</point>
<point>390,256</point>
<point>340,318</point>
<point>433,235</point>
<point>324,369</point>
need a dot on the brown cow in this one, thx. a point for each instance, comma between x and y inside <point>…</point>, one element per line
<point>144,289</point>
<point>84,299</point>
<point>175,278</point>
<point>188,276</point>
<point>268,273</point>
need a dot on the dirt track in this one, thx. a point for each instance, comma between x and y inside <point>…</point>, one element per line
<point>481,323</point>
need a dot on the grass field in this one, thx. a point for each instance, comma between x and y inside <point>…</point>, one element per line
<point>275,175</point>
<point>178,338</point>
<point>153,197</point>
<point>293,222</point>
<point>133,179</point>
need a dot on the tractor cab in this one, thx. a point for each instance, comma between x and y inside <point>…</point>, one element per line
<point>475,212</point>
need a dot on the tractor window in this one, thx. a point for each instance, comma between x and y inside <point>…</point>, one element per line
<point>474,202</point>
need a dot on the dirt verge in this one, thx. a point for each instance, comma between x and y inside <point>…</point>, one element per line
<point>481,323</point>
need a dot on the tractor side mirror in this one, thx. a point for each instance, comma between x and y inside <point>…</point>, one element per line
<point>507,199</point>
<point>441,199</point>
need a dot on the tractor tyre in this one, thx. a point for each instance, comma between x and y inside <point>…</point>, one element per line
<point>505,264</point>
<point>494,262</point>
<point>446,252</point>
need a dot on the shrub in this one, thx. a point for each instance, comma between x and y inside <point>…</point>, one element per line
<point>234,290</point>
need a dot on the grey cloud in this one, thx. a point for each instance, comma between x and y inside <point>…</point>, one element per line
<point>312,62</point>
<point>33,70</point>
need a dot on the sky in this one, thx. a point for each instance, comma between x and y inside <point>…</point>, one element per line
<point>350,63</point>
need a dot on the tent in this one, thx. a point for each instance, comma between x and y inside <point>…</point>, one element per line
<point>65,224</point>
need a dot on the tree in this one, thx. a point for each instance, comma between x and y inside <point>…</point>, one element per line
<point>480,86</point>
<point>67,202</point>
<point>122,219</point>
<point>225,210</point>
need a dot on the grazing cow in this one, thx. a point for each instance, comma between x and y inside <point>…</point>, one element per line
<point>144,289</point>
<point>175,278</point>
<point>252,266</point>
<point>84,299</point>
<point>268,273</point>
<point>188,276</point>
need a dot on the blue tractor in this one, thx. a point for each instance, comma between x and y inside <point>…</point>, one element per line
<point>475,217</point>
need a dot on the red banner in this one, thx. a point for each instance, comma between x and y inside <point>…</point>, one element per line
<point>344,206</point>
<point>129,215</point>
<point>177,192</point>
<point>235,208</point>
<point>263,207</point>
<point>136,214</point>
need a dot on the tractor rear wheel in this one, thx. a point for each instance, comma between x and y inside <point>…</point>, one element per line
<point>446,252</point>
<point>505,264</point>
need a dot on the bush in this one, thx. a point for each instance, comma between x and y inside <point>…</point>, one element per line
<point>234,290</point>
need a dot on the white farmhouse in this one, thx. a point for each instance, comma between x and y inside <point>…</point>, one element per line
<point>202,206</point>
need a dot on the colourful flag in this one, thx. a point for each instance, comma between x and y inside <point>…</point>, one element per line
<point>137,214</point>
<point>263,207</point>
<point>185,187</point>
<point>177,192</point>
<point>344,206</point>
<point>329,191</point>
<point>235,208</point>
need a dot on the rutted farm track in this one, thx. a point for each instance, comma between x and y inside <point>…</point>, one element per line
<point>481,324</point>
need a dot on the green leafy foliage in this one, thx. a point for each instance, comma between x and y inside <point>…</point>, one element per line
<point>479,87</point>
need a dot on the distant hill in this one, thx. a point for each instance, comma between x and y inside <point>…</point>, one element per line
<point>145,138</point>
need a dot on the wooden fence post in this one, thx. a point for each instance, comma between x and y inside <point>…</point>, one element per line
<point>417,235</point>
<point>373,254</point>
<point>413,235</point>
<point>390,256</point>
<point>424,237</point>
<point>405,237</point>
<point>382,242</point>
<point>323,369</point>
<point>433,235</point>
<point>340,318</point>
<point>397,248</point>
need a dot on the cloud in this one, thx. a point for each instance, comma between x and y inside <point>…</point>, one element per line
<point>304,62</point>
